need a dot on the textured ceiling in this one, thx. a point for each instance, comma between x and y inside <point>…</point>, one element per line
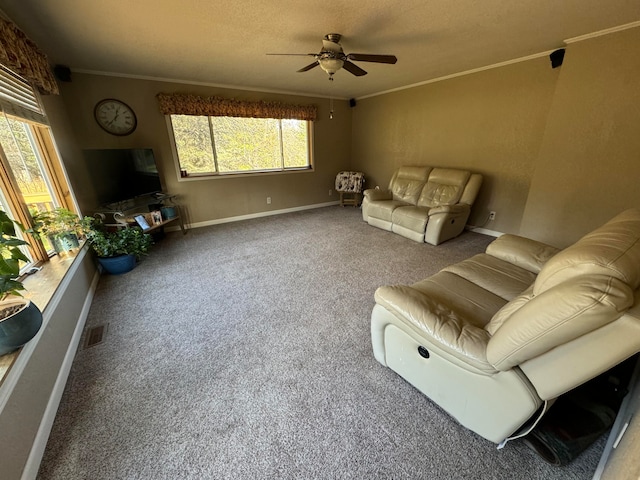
<point>226,43</point>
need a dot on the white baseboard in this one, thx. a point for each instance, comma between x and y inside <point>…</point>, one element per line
<point>268,213</point>
<point>32,466</point>
<point>484,231</point>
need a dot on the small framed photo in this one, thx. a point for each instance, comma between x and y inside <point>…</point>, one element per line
<point>140,220</point>
<point>156,217</point>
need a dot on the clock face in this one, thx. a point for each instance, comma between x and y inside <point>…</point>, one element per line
<point>115,117</point>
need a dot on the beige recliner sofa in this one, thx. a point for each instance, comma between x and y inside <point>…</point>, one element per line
<point>496,338</point>
<point>424,204</point>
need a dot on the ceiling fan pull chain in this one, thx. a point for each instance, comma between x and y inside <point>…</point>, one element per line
<point>330,108</point>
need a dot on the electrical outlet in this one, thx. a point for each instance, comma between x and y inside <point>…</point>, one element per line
<point>330,192</point>
<point>268,200</point>
<point>492,215</point>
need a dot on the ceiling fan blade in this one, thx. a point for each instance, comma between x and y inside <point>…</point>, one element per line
<point>366,57</point>
<point>295,54</point>
<point>353,68</point>
<point>309,67</point>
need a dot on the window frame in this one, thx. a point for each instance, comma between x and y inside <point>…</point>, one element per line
<point>217,175</point>
<point>21,102</point>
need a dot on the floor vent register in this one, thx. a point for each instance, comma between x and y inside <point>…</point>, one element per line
<point>95,335</point>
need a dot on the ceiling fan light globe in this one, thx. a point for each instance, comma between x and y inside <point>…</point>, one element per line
<point>331,65</point>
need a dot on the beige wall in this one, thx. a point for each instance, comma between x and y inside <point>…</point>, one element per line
<point>69,151</point>
<point>588,169</point>
<point>212,199</point>
<point>490,122</point>
<point>559,148</point>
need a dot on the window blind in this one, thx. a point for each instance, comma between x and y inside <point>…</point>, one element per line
<point>18,98</point>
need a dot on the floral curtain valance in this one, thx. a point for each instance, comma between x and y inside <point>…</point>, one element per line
<point>184,104</point>
<point>22,56</point>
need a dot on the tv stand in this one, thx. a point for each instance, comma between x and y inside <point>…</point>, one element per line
<point>122,214</point>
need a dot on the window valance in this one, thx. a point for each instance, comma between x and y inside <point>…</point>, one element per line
<point>22,56</point>
<point>185,104</point>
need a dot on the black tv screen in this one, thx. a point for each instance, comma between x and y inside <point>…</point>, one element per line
<point>122,174</point>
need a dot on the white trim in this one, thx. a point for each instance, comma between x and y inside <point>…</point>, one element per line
<point>461,74</point>
<point>239,218</point>
<point>484,231</point>
<point>203,84</point>
<point>40,442</point>
<point>600,33</point>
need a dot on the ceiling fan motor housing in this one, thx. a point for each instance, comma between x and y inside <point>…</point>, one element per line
<point>333,37</point>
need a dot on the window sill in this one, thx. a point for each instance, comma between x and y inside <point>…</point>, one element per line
<point>255,173</point>
<point>40,288</point>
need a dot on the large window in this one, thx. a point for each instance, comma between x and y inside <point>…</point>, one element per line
<point>31,175</point>
<point>210,145</point>
<point>221,136</point>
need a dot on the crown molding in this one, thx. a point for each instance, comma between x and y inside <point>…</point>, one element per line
<point>202,84</point>
<point>462,74</point>
<point>600,33</point>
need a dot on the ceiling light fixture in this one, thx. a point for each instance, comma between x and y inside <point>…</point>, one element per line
<point>330,64</point>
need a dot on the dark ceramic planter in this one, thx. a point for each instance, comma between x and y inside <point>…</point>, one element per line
<point>118,265</point>
<point>19,328</point>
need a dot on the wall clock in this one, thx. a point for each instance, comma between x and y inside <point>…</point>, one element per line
<point>115,117</point>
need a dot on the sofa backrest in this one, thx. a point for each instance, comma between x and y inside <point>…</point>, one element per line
<point>471,189</point>
<point>584,287</point>
<point>444,187</point>
<point>611,250</point>
<point>407,183</point>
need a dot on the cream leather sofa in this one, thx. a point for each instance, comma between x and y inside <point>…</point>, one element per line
<point>496,338</point>
<point>424,204</point>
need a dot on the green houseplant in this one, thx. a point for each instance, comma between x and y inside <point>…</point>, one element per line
<point>20,319</point>
<point>61,227</point>
<point>117,250</point>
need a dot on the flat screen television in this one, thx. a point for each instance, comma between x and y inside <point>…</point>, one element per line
<point>121,174</point>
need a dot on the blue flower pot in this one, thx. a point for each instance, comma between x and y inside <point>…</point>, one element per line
<point>118,265</point>
<point>20,327</point>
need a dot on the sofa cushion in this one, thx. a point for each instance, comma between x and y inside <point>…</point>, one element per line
<point>469,300</point>
<point>494,275</point>
<point>383,209</point>
<point>413,218</point>
<point>611,250</point>
<point>444,187</point>
<point>407,183</point>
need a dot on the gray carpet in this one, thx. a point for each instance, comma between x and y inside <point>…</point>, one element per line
<point>243,351</point>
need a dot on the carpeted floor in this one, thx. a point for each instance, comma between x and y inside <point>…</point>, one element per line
<point>243,351</point>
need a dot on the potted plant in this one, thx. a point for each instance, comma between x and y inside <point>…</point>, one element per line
<point>118,250</point>
<point>61,226</point>
<point>20,319</point>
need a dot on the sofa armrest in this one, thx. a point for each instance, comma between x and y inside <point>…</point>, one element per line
<point>453,209</point>
<point>523,252</point>
<point>436,321</point>
<point>373,194</point>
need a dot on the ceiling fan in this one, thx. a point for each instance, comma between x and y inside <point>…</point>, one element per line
<point>332,58</point>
